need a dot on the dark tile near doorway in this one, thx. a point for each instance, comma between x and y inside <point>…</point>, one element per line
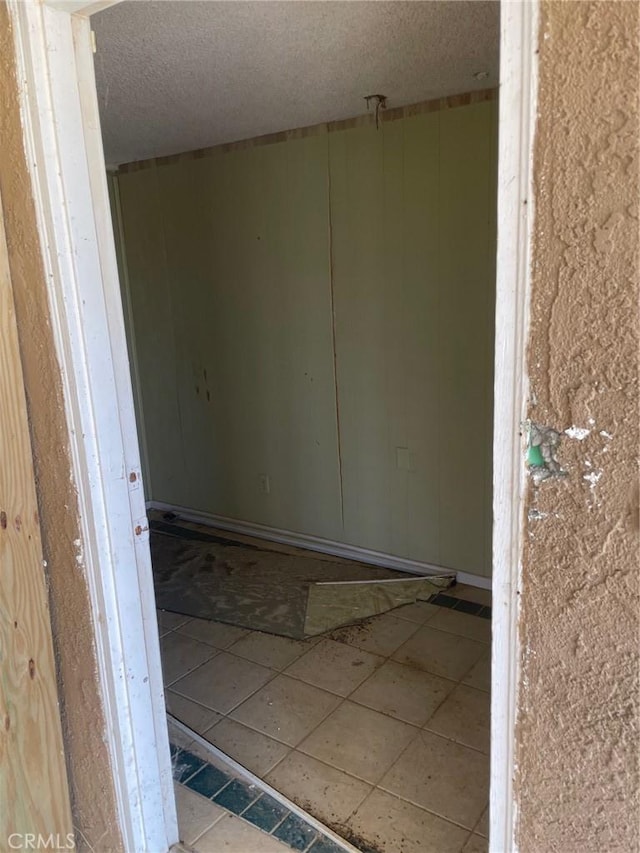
<point>473,608</point>
<point>470,607</point>
<point>208,781</point>
<point>443,600</point>
<point>295,832</point>
<point>325,845</point>
<point>236,796</point>
<point>185,765</point>
<point>266,813</point>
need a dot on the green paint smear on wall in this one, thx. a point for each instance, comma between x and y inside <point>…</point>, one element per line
<point>315,311</point>
<point>534,457</point>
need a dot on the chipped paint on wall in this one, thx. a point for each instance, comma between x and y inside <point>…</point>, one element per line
<point>579,433</point>
<point>542,446</point>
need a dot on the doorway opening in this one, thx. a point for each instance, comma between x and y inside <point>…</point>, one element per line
<point>404,459</point>
<point>310,318</point>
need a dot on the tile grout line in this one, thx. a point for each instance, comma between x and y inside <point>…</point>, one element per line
<point>252,779</point>
<point>226,810</point>
<point>343,698</point>
<point>171,684</point>
<point>385,659</point>
<point>420,729</point>
<point>342,702</point>
<point>429,811</point>
<point>304,736</point>
<point>242,701</point>
<point>403,751</point>
<point>204,831</point>
<point>279,823</point>
<point>477,823</point>
<point>346,698</point>
<point>417,806</point>
<point>486,643</point>
<point>227,650</point>
<point>374,788</point>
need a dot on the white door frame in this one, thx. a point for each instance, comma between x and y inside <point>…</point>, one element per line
<point>65,156</point>
<point>59,112</point>
<point>519,28</point>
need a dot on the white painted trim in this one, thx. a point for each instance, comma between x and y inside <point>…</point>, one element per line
<point>517,115</point>
<point>250,777</point>
<point>64,153</point>
<point>317,543</point>
<point>127,307</point>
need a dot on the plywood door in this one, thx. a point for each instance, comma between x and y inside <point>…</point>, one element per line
<point>34,796</point>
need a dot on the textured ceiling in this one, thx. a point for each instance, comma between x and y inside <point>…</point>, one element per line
<point>177,75</point>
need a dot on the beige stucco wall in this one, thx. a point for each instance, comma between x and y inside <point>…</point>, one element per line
<point>83,723</point>
<point>577,754</point>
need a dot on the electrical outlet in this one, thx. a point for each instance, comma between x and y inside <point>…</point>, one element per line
<point>265,483</point>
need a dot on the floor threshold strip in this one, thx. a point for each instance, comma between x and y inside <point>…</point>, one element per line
<point>232,786</point>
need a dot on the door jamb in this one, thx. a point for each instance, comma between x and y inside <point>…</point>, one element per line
<point>61,131</point>
<point>517,119</point>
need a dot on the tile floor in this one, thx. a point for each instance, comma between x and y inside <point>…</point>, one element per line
<point>211,796</point>
<point>380,730</point>
<point>206,827</point>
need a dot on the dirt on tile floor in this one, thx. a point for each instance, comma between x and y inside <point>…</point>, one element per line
<point>341,829</point>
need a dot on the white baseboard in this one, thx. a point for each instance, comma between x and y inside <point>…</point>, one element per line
<point>317,543</point>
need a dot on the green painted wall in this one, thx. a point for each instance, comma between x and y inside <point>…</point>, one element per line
<point>320,311</point>
<point>413,258</point>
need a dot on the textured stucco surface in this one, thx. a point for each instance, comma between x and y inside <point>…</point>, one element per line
<point>91,789</point>
<point>578,784</point>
